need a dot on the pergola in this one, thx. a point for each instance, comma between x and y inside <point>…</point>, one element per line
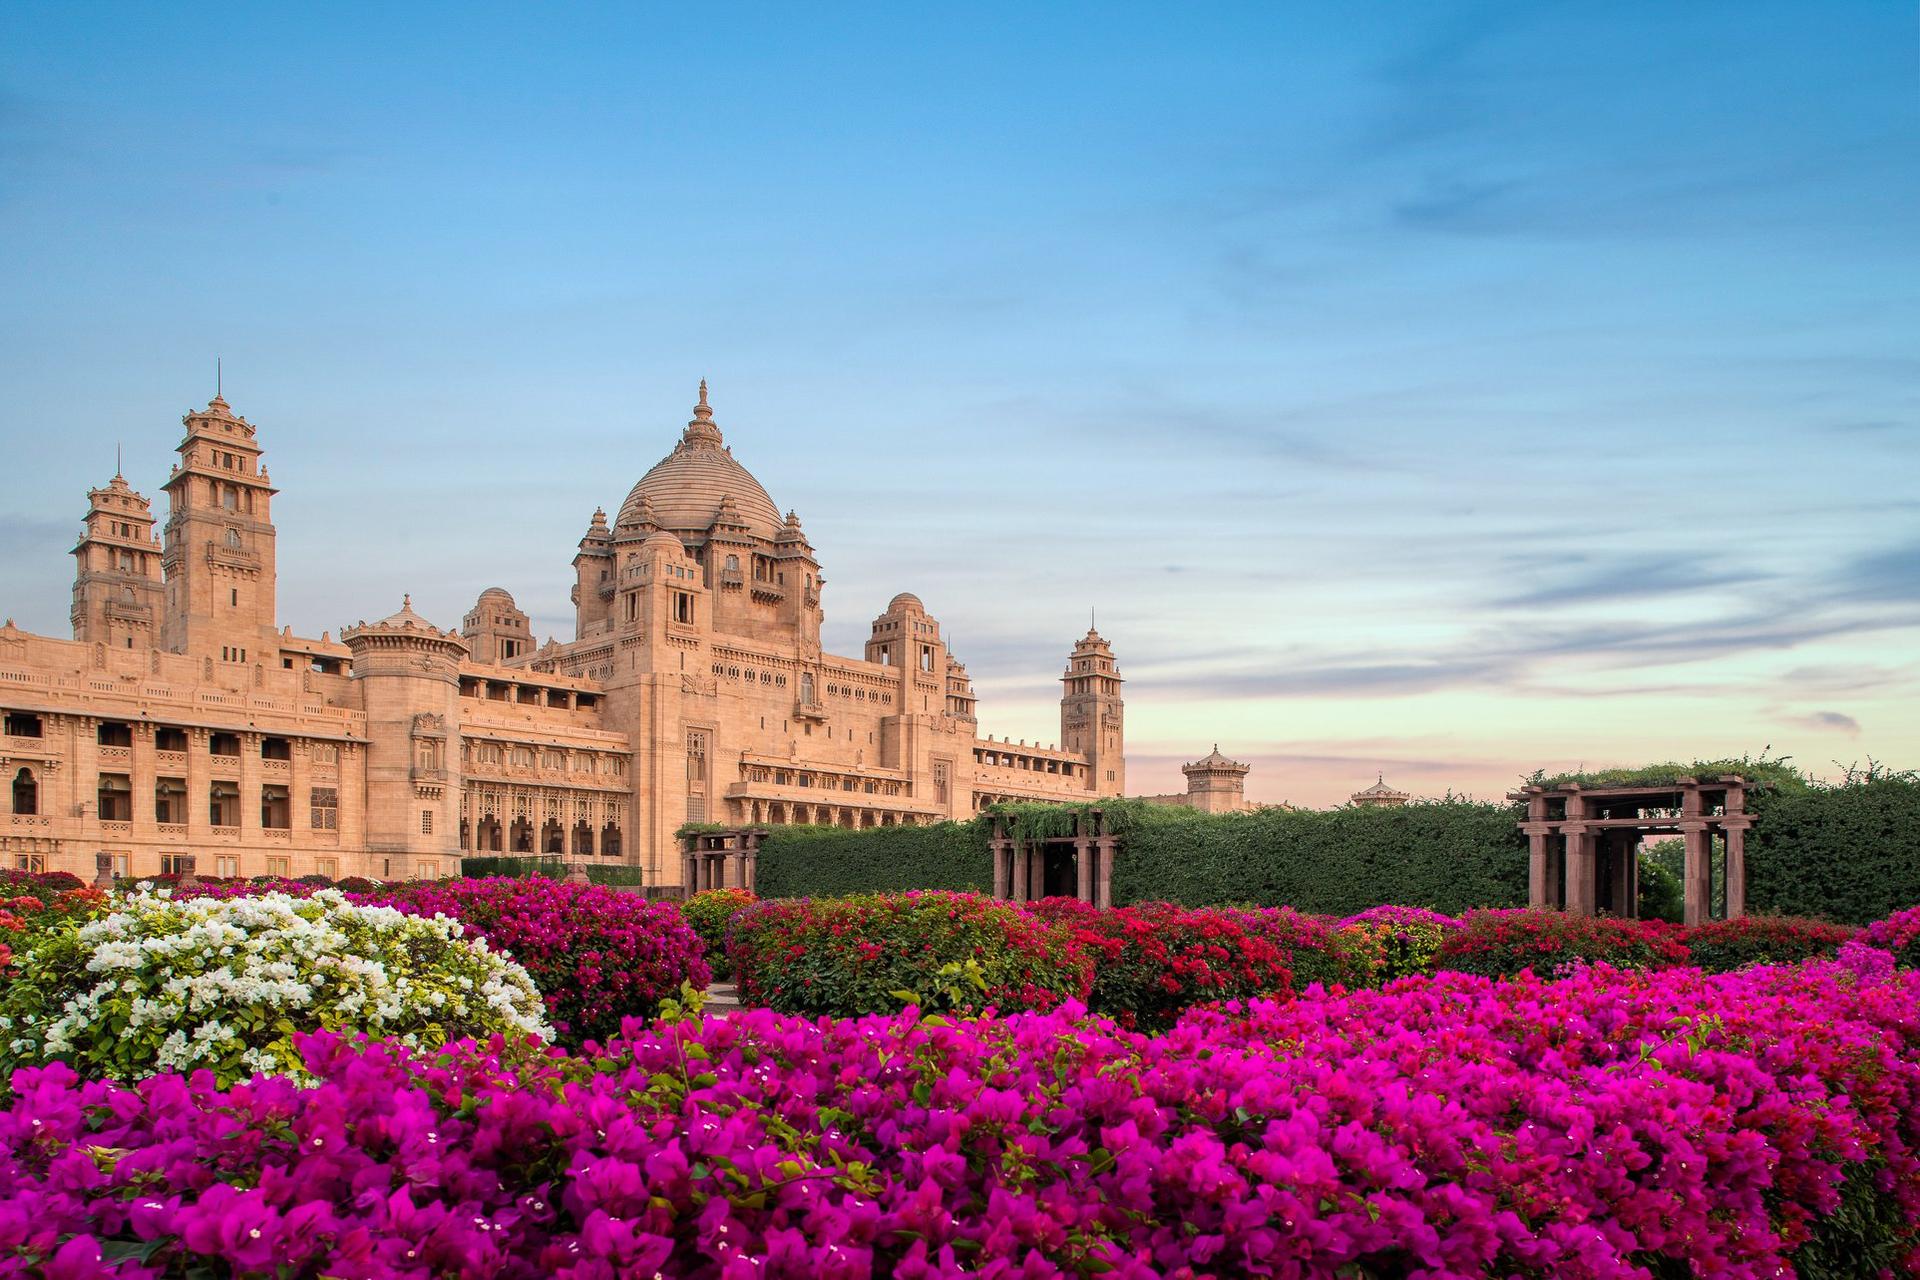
<point>1080,865</point>
<point>1583,842</point>
<point>725,859</point>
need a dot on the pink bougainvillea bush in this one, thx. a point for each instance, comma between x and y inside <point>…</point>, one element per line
<point>1898,934</point>
<point>1609,1124</point>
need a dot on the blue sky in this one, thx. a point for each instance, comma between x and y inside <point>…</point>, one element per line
<point>1442,389</point>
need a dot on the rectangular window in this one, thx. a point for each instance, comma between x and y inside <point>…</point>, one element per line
<point>683,607</point>
<point>175,864</point>
<point>328,867</point>
<point>326,753</point>
<point>224,744</point>
<point>282,867</point>
<point>227,867</point>
<point>324,803</point>
<point>21,725</point>
<point>34,862</point>
<point>223,804</point>
<point>426,822</point>
<point>122,863</point>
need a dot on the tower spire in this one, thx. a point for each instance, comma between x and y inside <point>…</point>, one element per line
<point>219,389</point>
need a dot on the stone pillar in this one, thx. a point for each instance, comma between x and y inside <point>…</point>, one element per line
<point>1537,896</point>
<point>1105,847</point>
<point>1002,867</point>
<point>1580,871</point>
<point>577,873</point>
<point>250,784</point>
<point>1083,866</point>
<point>1736,869</point>
<point>1626,852</point>
<point>1696,880</point>
<point>103,870</point>
<point>1021,864</point>
<point>187,871</point>
<point>142,775</point>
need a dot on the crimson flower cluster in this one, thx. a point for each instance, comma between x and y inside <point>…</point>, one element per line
<point>1503,943</point>
<point>1609,1124</point>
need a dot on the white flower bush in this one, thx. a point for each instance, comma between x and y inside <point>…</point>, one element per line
<point>162,984</point>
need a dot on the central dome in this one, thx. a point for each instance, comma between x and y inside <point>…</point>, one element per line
<point>684,489</point>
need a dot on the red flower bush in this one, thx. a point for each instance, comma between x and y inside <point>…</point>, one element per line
<point>1722,945</point>
<point>872,952</point>
<point>1154,960</point>
<point>709,913</point>
<point>1609,1125</point>
<point>1317,949</point>
<point>1503,943</point>
<point>25,916</point>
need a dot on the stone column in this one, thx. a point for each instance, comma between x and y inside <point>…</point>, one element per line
<point>199,773</point>
<point>142,775</point>
<point>250,784</point>
<point>1021,864</point>
<point>1002,867</point>
<point>1736,869</point>
<point>1537,868</point>
<point>1579,870</point>
<point>1103,894</point>
<point>1625,853</point>
<point>1696,879</point>
<point>1083,866</point>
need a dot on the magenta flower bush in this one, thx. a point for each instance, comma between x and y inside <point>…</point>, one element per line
<point>1610,1124</point>
<point>1898,934</point>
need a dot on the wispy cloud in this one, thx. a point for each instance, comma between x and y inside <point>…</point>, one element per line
<point>1625,578</point>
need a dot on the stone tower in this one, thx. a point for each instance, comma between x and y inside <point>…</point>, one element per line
<point>219,549</point>
<point>1216,784</point>
<point>118,594</point>
<point>495,629</point>
<point>1093,714</point>
<point>408,672</point>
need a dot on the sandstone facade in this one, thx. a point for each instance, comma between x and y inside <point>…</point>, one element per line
<point>182,720</point>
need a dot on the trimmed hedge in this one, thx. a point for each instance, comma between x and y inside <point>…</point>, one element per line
<point>550,868</point>
<point>802,862</point>
<point>1449,855</point>
<point>1849,853</point>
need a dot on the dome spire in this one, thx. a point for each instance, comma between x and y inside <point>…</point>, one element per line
<point>701,428</point>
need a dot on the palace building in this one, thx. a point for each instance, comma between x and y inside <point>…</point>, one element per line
<point>182,719</point>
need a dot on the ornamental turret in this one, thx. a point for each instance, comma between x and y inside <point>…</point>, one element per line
<point>118,594</point>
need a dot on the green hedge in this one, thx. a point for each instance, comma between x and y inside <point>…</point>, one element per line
<point>1450,855</point>
<point>803,862</point>
<point>523,867</point>
<point>1849,853</point>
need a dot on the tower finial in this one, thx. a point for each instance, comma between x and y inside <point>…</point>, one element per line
<point>219,392</point>
<point>119,469</point>
<point>703,391</point>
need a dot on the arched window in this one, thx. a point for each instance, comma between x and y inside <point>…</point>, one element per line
<point>233,538</point>
<point>26,793</point>
<point>806,687</point>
